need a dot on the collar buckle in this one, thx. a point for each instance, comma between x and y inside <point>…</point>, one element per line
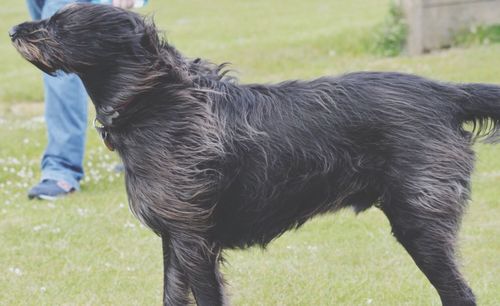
<point>103,132</point>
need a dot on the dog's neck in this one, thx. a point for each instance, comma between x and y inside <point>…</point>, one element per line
<point>114,89</point>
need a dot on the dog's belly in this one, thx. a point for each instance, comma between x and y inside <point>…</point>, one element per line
<point>243,220</point>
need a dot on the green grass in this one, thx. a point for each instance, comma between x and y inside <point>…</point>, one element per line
<point>479,35</point>
<point>87,249</point>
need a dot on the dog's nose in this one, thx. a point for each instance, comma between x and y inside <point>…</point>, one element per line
<point>13,32</point>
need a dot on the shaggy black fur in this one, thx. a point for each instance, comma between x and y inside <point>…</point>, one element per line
<point>213,164</point>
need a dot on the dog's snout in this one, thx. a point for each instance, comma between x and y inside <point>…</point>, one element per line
<point>13,32</point>
<point>25,28</point>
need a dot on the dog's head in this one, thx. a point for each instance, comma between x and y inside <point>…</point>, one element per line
<point>116,53</point>
<point>82,37</point>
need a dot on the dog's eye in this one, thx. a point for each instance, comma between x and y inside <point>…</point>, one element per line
<point>52,20</point>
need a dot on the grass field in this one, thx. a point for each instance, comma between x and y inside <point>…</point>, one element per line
<point>87,249</point>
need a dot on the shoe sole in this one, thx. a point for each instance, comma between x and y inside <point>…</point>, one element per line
<point>47,198</point>
<point>42,197</point>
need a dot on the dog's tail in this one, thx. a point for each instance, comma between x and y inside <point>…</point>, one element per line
<point>480,105</point>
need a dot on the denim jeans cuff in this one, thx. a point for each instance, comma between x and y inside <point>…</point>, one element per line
<point>58,176</point>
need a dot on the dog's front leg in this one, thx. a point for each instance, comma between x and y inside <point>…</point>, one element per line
<point>175,284</point>
<point>201,268</point>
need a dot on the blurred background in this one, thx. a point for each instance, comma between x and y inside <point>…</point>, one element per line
<point>87,249</point>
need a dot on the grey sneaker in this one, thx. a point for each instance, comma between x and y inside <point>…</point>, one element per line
<point>50,190</point>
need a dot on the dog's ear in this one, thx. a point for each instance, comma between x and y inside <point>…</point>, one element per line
<point>150,40</point>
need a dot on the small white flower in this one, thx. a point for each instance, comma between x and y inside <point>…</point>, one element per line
<point>129,225</point>
<point>16,271</point>
<point>312,248</point>
<point>82,211</point>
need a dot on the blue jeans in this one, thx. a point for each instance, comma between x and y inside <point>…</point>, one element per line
<point>65,113</point>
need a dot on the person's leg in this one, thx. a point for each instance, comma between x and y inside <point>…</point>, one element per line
<point>66,119</point>
<point>35,8</point>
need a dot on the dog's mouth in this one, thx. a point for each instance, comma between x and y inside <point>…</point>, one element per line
<point>33,55</point>
<point>29,43</point>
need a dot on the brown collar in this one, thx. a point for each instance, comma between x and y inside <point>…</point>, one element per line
<point>103,131</point>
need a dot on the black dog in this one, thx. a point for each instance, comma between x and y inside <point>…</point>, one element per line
<point>212,164</point>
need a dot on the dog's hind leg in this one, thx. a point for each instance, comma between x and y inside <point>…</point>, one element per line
<point>426,222</point>
<point>175,284</point>
<point>201,267</point>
